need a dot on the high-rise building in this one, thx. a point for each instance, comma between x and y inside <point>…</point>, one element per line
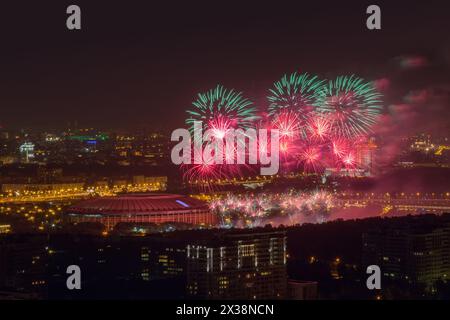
<point>238,265</point>
<point>416,251</point>
<point>23,263</point>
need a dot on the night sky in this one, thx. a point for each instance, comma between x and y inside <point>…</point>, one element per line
<point>140,64</point>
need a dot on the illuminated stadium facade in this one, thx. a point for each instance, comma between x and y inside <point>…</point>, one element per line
<point>142,208</point>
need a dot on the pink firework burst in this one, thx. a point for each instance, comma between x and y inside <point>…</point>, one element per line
<point>339,147</point>
<point>349,160</point>
<point>310,156</point>
<point>220,125</point>
<point>288,124</point>
<point>204,171</point>
<point>319,127</point>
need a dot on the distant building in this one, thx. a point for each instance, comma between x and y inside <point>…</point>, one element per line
<point>4,160</point>
<point>5,228</point>
<point>49,175</point>
<point>302,290</point>
<point>17,295</point>
<point>416,251</point>
<point>4,135</point>
<point>155,183</point>
<point>21,187</point>
<point>162,259</point>
<point>364,160</point>
<point>238,265</point>
<point>27,151</point>
<point>23,263</point>
<point>150,149</point>
<point>120,183</point>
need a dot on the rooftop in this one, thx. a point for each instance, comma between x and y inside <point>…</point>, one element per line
<point>138,203</point>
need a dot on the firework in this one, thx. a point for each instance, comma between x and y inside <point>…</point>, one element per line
<point>296,92</point>
<point>339,147</point>
<point>352,104</point>
<point>203,171</point>
<point>287,208</point>
<point>319,127</point>
<point>311,156</point>
<point>349,159</point>
<point>321,124</point>
<point>288,124</point>
<point>221,109</point>
<point>208,173</point>
<point>214,166</point>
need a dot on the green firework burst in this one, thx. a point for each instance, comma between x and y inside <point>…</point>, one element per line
<point>352,104</point>
<point>295,92</point>
<point>221,107</point>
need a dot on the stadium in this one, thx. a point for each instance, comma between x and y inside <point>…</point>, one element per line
<point>142,208</point>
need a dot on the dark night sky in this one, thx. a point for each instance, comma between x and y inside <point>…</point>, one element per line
<point>139,63</point>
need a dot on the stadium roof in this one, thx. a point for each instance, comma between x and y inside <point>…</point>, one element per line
<point>138,203</point>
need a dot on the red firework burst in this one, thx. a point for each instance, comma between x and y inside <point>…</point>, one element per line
<point>319,127</point>
<point>310,156</point>
<point>288,124</point>
<point>220,125</point>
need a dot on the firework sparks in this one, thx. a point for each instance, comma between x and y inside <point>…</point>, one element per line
<point>320,123</point>
<point>221,109</point>
<point>259,209</point>
<point>288,124</point>
<point>295,92</point>
<point>319,127</point>
<point>352,104</point>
